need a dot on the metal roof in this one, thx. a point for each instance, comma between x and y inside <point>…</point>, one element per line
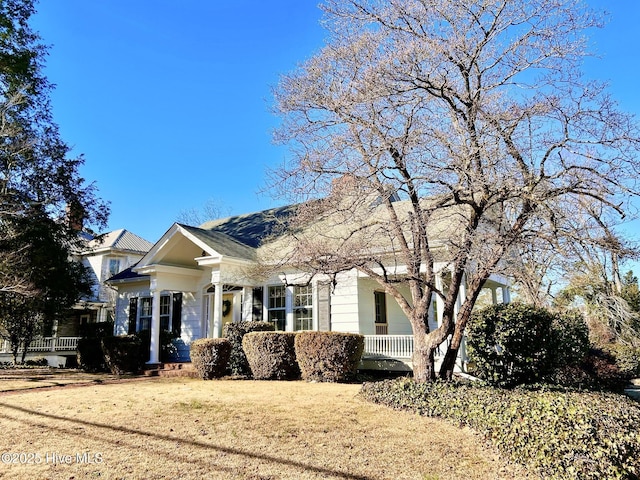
<point>120,239</point>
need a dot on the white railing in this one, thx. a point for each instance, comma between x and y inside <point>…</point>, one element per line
<point>45,344</point>
<point>392,346</point>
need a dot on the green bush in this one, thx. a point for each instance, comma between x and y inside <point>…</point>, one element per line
<point>559,434</point>
<point>271,355</point>
<point>627,358</point>
<point>89,355</point>
<point>37,362</point>
<point>509,344</point>
<point>570,339</point>
<point>328,356</point>
<point>599,370</point>
<point>210,357</point>
<point>234,332</point>
<point>122,354</point>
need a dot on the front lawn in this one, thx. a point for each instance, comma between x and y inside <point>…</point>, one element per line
<point>192,429</point>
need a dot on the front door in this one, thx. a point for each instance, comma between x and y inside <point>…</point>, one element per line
<point>227,308</point>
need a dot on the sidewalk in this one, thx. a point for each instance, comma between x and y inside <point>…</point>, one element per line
<point>633,390</point>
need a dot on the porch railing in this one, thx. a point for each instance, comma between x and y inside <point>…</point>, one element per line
<point>45,344</point>
<point>391,346</point>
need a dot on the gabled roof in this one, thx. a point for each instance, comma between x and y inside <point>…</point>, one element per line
<point>120,239</point>
<point>253,228</point>
<point>222,243</point>
<point>235,237</point>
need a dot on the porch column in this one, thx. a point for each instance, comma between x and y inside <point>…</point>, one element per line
<point>494,296</point>
<point>154,350</point>
<point>247,295</point>
<point>439,302</point>
<point>506,295</point>
<point>217,311</point>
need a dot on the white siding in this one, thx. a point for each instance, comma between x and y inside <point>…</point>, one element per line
<point>122,305</point>
<point>396,319</point>
<point>191,308</point>
<point>344,304</point>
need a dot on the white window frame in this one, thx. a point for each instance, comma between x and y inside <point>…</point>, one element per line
<point>303,307</point>
<point>114,261</point>
<point>145,313</point>
<point>278,309</point>
<point>382,328</point>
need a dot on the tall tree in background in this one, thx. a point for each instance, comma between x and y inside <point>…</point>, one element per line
<point>44,202</point>
<point>472,111</point>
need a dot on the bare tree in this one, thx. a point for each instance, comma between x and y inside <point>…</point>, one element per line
<point>210,210</point>
<point>474,114</point>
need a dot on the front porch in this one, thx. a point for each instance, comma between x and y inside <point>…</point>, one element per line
<point>55,349</point>
<point>395,353</point>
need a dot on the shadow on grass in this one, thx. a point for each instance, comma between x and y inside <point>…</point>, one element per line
<point>71,430</point>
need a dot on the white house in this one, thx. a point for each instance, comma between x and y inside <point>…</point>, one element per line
<point>196,279</point>
<point>105,256</point>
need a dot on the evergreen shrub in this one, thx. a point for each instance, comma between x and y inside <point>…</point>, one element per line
<point>271,355</point>
<point>122,354</point>
<point>328,356</point>
<point>210,357</point>
<point>89,355</point>
<point>235,332</point>
<point>558,434</point>
<point>510,344</point>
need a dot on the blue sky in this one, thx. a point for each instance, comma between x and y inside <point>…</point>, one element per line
<point>169,101</point>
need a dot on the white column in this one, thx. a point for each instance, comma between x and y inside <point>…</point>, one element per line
<point>439,301</point>
<point>154,350</point>
<point>216,331</point>
<point>494,295</point>
<point>247,304</point>
<point>506,295</point>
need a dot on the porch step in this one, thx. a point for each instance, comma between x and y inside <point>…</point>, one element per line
<point>175,369</point>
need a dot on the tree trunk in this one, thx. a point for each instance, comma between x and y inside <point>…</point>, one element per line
<point>424,369</point>
<point>449,363</point>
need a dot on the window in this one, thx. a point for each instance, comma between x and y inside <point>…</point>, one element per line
<point>277,306</point>
<point>170,313</point>
<point>165,312</point>
<point>114,266</point>
<point>303,308</point>
<point>380,301</point>
<point>145,313</point>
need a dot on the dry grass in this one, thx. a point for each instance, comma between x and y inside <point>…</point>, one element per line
<point>192,429</point>
<point>32,378</point>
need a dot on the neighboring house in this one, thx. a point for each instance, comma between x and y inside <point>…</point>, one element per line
<point>196,279</point>
<point>105,255</point>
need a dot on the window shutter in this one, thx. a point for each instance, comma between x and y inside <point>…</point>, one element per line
<point>133,315</point>
<point>257,305</point>
<point>324,306</point>
<point>176,314</point>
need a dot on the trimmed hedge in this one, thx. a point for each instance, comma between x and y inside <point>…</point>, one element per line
<point>210,357</point>
<point>271,355</point>
<point>122,354</point>
<point>559,434</point>
<point>328,356</point>
<point>234,332</point>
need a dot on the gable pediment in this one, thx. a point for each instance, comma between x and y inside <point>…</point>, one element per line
<point>186,246</point>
